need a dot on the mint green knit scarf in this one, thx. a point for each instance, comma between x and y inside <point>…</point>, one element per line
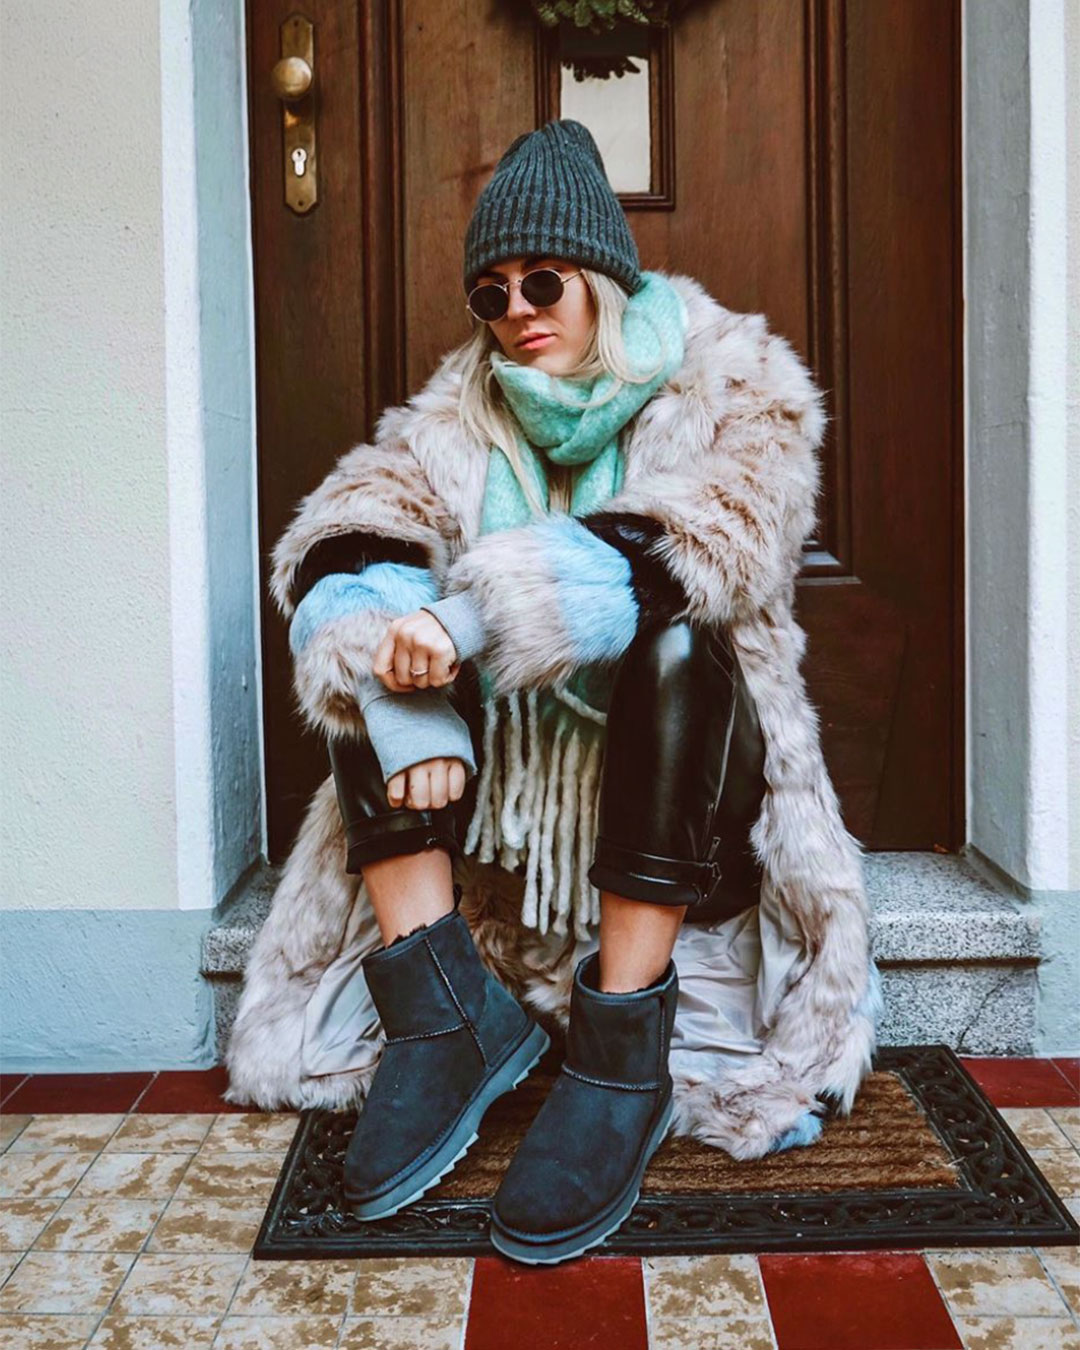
<point>653,331</point>
<point>551,428</point>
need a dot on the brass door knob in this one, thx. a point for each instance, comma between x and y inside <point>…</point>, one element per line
<point>291,78</point>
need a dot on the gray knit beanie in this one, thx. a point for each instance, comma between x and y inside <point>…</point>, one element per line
<point>549,194</point>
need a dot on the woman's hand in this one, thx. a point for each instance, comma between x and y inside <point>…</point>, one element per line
<point>416,653</point>
<point>430,784</point>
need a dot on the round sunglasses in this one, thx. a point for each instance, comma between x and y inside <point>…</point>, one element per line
<point>542,288</point>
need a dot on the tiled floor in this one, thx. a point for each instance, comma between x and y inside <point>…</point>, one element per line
<point>129,1203</point>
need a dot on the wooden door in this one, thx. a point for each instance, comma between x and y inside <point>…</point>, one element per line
<point>800,158</point>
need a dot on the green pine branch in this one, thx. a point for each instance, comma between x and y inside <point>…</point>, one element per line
<point>600,16</point>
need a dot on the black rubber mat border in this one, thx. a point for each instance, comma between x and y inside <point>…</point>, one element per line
<point>1002,1199</point>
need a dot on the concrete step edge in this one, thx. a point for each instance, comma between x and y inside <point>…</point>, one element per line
<point>926,908</point>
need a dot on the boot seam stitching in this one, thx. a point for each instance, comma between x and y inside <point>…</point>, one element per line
<point>607,1082</point>
<point>432,1148</point>
<point>424,1035</point>
<point>457,1002</point>
<point>661,1027</point>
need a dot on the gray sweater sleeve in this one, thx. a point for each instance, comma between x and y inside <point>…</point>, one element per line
<point>407,728</point>
<point>460,616</point>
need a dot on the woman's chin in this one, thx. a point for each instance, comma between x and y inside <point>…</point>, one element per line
<point>552,364</point>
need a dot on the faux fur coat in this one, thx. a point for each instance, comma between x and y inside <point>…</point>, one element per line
<point>724,458</point>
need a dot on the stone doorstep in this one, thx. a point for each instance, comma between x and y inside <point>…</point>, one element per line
<point>936,907</point>
<point>958,956</point>
<point>927,909</point>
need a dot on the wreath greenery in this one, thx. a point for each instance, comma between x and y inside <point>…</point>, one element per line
<point>600,16</point>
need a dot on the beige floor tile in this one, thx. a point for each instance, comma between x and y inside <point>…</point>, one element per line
<point>288,1288</point>
<point>8,1262</point>
<point>207,1226</point>
<point>179,1286</point>
<point>246,1176</point>
<point>1017,1333</point>
<point>401,1333</point>
<point>66,1134</point>
<point>22,1220</point>
<point>1034,1127</point>
<point>402,1286</point>
<point>10,1128</point>
<point>134,1176</point>
<point>155,1333</point>
<point>1067,1119</point>
<point>35,1332</point>
<point>64,1282</point>
<point>100,1225</point>
<point>160,1134</point>
<point>251,1133</point>
<point>710,1333</point>
<point>1072,1204</point>
<point>726,1286</point>
<point>41,1175</point>
<point>278,1333</point>
<point>995,1282</point>
<point>1063,1263</point>
<point>1061,1168</point>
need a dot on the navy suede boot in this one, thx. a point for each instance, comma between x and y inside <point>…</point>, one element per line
<point>456,1040</point>
<point>577,1173</point>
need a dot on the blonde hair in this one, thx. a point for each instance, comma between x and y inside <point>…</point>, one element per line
<point>483,407</point>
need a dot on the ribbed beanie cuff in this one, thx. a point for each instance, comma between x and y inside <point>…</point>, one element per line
<point>550,195</point>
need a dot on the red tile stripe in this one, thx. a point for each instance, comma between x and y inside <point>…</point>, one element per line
<point>8,1083</point>
<point>855,1301</point>
<point>176,1091</point>
<point>167,1092</point>
<point>1015,1081</point>
<point>592,1303</point>
<point>49,1093</point>
<point>1025,1082</point>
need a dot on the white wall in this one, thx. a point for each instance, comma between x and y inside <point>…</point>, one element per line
<point>130,767</point>
<point>1021,246</point>
<point>1021,77</point>
<point>88,816</point>
<point>1072,291</point>
<point>210,399</point>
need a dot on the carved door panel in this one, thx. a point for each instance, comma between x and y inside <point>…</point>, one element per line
<point>800,158</point>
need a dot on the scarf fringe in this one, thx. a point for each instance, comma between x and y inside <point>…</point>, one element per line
<point>537,803</point>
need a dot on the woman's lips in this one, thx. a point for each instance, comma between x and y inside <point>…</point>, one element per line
<point>537,342</point>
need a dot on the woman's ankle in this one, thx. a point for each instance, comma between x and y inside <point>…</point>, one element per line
<point>636,942</point>
<point>410,890</point>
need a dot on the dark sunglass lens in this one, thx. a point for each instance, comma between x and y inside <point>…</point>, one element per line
<point>543,287</point>
<point>488,302</point>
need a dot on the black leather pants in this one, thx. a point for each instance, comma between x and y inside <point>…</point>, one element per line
<point>682,779</point>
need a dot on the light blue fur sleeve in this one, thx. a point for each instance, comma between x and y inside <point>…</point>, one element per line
<point>403,728</point>
<point>398,587</point>
<point>543,599</point>
<point>593,587</point>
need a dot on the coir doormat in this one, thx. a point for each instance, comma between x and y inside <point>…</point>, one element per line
<point>924,1160</point>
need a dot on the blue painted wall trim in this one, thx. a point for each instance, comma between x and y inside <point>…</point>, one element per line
<point>95,990</point>
<point>1058,1016</point>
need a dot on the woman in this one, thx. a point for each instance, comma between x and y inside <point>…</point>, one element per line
<point>545,623</point>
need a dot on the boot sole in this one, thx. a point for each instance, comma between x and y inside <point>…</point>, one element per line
<point>518,1065</point>
<point>548,1253</point>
